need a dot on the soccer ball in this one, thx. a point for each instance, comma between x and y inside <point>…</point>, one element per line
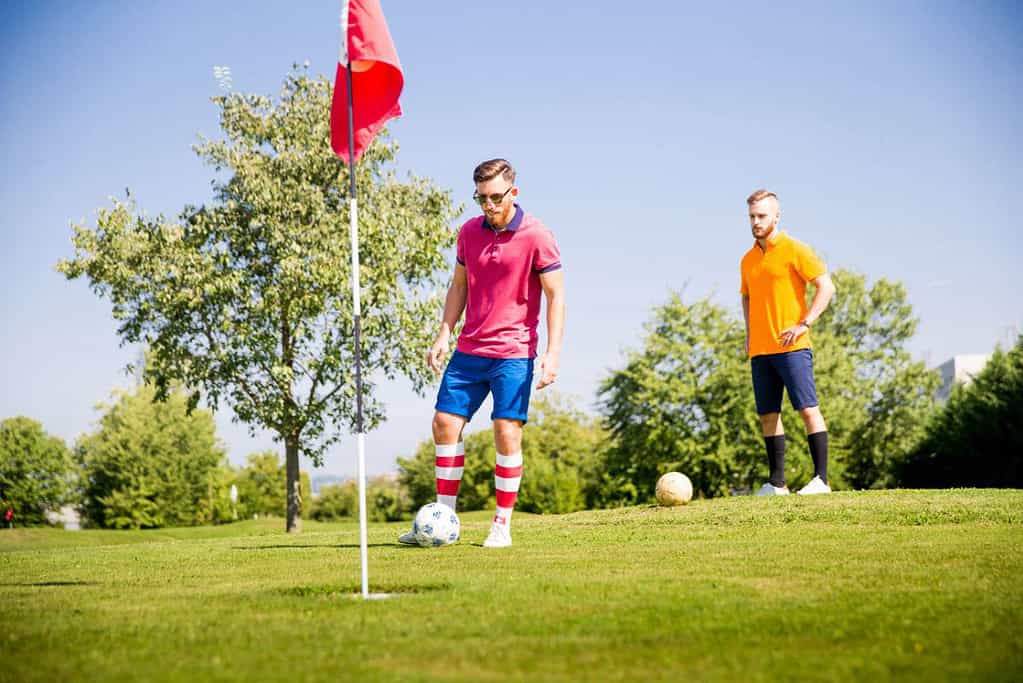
<point>435,524</point>
<point>674,488</point>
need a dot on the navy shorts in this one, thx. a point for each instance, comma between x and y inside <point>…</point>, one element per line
<point>468,379</point>
<point>792,371</point>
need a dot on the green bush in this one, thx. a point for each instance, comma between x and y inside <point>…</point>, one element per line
<point>336,502</point>
<point>262,486</point>
<point>386,501</point>
<point>152,464</point>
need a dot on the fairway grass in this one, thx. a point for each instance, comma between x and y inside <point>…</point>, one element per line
<point>888,585</point>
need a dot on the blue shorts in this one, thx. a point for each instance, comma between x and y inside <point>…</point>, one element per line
<point>468,379</point>
<point>792,371</point>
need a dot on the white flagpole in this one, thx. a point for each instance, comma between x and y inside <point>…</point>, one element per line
<point>353,230</point>
<point>360,435</point>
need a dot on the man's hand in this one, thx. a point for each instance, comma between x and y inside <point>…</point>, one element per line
<point>437,354</point>
<point>548,369</point>
<point>788,337</point>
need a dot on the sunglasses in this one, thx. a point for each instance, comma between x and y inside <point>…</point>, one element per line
<point>482,199</point>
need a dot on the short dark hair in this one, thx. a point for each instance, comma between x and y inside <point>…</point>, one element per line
<point>490,169</point>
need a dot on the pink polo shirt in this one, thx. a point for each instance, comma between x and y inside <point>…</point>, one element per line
<point>503,269</point>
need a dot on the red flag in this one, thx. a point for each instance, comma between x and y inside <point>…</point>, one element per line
<point>376,77</point>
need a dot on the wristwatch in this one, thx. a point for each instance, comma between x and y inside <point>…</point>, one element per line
<point>804,323</point>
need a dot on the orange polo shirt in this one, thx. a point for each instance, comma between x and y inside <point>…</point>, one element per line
<point>775,282</point>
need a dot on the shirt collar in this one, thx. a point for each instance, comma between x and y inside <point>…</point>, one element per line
<point>771,244</point>
<point>516,221</point>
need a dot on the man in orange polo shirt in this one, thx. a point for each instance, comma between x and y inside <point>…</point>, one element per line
<point>775,272</point>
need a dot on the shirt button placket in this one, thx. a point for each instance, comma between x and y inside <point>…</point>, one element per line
<point>494,249</point>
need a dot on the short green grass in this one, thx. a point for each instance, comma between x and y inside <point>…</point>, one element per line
<point>895,585</point>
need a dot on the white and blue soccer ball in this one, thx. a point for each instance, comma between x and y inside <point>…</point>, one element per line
<point>435,525</point>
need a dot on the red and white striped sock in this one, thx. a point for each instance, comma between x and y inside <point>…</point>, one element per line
<point>448,467</point>
<point>507,477</point>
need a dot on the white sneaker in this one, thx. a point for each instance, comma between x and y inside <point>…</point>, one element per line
<point>769,489</point>
<point>408,538</point>
<point>499,537</point>
<point>815,486</point>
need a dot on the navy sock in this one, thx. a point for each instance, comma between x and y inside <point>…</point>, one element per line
<point>819,453</point>
<point>776,458</point>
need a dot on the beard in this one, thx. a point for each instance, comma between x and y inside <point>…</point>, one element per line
<point>765,232</point>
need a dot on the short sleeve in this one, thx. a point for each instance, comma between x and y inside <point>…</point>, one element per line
<point>808,264</point>
<point>546,256</point>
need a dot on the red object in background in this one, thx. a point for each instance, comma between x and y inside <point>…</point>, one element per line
<point>9,515</point>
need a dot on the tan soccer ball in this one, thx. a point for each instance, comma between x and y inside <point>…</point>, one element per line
<point>674,488</point>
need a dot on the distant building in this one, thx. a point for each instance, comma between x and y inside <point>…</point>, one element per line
<point>959,370</point>
<point>316,484</point>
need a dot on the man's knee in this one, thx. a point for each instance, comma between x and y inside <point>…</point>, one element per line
<point>771,424</point>
<point>447,427</point>
<point>813,419</point>
<point>507,436</point>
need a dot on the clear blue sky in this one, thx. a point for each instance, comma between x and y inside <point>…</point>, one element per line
<point>891,132</point>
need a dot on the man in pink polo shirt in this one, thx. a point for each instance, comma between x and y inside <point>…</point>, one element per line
<point>506,259</point>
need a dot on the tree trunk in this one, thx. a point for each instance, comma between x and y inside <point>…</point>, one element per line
<point>294,485</point>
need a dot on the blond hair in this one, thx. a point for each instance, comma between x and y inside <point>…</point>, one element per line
<point>760,194</point>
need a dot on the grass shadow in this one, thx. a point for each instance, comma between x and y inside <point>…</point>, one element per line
<point>47,584</point>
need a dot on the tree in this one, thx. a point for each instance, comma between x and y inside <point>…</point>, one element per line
<point>977,438</point>
<point>261,486</point>
<point>881,396</point>
<point>152,464</point>
<point>561,450</point>
<point>684,400</point>
<point>248,299</point>
<point>35,470</point>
